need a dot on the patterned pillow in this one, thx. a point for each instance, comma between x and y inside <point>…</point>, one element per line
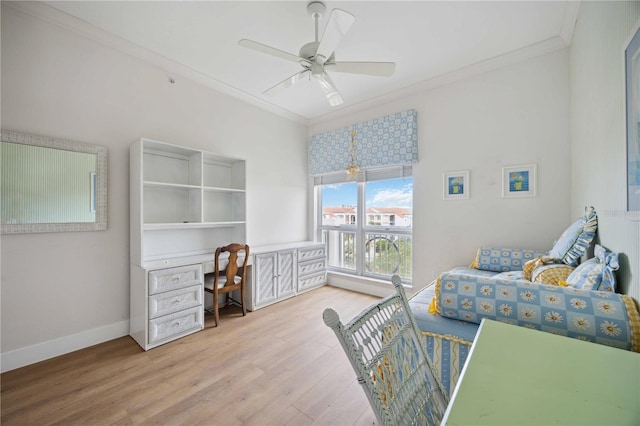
<point>553,274</point>
<point>503,259</point>
<point>596,316</point>
<point>596,273</point>
<point>534,263</point>
<point>576,239</point>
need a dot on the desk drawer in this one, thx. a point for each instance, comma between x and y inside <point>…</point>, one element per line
<point>175,324</point>
<point>311,281</point>
<point>310,253</point>
<point>174,278</point>
<point>306,268</point>
<point>174,301</point>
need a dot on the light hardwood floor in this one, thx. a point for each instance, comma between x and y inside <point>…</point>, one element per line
<point>279,365</point>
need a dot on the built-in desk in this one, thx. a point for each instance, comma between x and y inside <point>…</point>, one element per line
<point>518,376</point>
<point>167,299</point>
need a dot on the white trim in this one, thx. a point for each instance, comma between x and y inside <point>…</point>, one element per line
<point>63,345</point>
<point>572,8</point>
<point>534,50</point>
<point>52,15</point>
<point>360,284</point>
<point>57,17</point>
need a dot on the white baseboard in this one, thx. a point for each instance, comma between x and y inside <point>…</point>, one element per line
<point>52,348</point>
<point>360,284</point>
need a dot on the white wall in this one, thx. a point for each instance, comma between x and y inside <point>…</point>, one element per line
<point>518,114</point>
<point>62,291</point>
<point>598,131</point>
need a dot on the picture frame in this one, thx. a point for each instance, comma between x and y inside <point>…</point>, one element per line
<point>631,56</point>
<point>455,185</point>
<point>519,181</point>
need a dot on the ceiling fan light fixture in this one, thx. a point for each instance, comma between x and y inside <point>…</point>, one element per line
<point>318,56</point>
<point>335,99</point>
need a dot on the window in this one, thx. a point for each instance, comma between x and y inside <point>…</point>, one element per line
<point>367,225</point>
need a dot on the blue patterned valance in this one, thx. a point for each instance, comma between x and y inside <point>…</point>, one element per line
<point>382,142</point>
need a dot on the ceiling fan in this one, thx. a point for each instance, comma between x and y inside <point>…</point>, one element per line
<point>318,57</point>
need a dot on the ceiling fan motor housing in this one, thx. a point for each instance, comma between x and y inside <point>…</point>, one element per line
<point>308,51</point>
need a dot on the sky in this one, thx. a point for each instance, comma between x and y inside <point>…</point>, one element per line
<point>384,193</point>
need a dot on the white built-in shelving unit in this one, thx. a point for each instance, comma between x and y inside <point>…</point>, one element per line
<point>183,204</point>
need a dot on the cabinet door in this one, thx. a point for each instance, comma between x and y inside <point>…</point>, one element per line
<point>265,283</point>
<point>286,273</point>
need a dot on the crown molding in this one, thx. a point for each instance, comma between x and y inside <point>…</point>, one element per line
<point>569,21</point>
<point>531,51</point>
<point>54,16</point>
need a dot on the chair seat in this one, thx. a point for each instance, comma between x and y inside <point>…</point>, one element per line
<point>222,281</point>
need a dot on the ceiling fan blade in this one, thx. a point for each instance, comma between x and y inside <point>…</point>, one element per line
<point>269,50</point>
<point>338,25</point>
<point>329,89</point>
<point>383,69</point>
<point>285,83</point>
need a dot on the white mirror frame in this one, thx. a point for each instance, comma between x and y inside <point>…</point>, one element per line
<point>101,184</point>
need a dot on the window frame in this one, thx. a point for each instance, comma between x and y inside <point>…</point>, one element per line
<point>361,228</point>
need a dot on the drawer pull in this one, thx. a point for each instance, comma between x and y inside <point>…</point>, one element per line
<point>176,324</point>
<point>176,301</point>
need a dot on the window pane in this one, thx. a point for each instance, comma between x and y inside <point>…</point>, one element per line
<point>379,247</point>
<point>341,249</point>
<point>389,202</point>
<point>339,204</point>
<point>388,254</point>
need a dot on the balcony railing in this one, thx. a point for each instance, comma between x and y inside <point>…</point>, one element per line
<point>385,253</point>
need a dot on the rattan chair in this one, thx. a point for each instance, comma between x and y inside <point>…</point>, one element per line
<point>390,362</point>
<point>232,280</point>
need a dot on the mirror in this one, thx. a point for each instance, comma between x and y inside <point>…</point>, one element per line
<point>51,185</point>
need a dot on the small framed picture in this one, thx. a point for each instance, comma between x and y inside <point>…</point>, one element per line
<point>455,185</point>
<point>519,181</point>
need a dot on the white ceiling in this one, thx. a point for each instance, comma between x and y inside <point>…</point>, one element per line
<point>431,42</point>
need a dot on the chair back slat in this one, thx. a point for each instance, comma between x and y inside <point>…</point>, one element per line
<point>232,268</point>
<point>235,277</point>
<point>390,362</point>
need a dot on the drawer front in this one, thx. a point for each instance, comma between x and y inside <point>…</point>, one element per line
<point>174,278</point>
<point>174,301</point>
<point>312,281</point>
<point>310,253</point>
<point>175,324</point>
<point>306,268</point>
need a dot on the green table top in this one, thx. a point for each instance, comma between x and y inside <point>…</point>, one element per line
<point>518,376</point>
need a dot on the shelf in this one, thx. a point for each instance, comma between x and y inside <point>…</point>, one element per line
<point>184,200</point>
<point>218,189</point>
<point>190,225</point>
<point>151,184</point>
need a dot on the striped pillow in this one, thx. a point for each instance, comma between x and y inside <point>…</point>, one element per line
<point>576,239</point>
<point>596,273</point>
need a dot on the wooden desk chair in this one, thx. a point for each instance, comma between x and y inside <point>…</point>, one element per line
<point>230,281</point>
<point>390,362</point>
